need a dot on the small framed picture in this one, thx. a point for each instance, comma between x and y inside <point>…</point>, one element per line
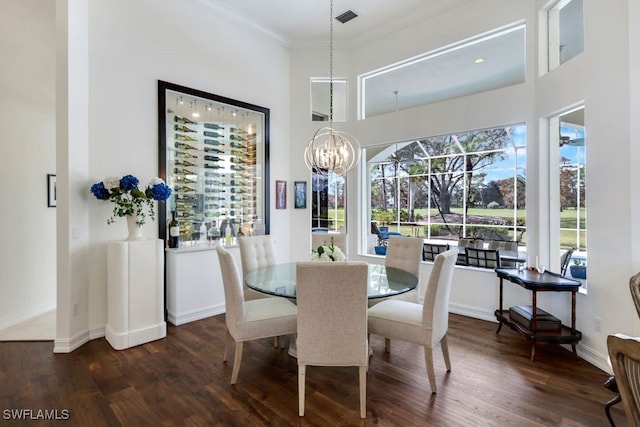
<point>281,194</point>
<point>51,190</point>
<point>300,192</point>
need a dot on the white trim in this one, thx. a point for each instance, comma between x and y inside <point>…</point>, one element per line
<point>27,314</point>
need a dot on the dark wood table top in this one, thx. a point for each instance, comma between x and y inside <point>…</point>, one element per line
<point>532,280</point>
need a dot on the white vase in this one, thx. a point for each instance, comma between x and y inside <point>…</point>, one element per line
<point>135,231</point>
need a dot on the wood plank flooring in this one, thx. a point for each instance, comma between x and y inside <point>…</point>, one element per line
<point>181,381</point>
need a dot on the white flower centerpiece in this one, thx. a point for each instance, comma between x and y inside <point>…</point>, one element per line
<point>328,253</point>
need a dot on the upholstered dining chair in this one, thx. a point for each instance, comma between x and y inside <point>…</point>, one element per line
<point>339,240</point>
<point>332,320</point>
<point>505,248</point>
<point>423,324</point>
<point>624,354</point>
<point>255,252</point>
<point>405,253</point>
<point>250,320</point>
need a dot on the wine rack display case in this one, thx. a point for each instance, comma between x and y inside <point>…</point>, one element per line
<point>214,154</point>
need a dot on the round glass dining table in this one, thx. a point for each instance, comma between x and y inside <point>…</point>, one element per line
<point>280,280</point>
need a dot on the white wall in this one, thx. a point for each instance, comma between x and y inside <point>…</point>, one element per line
<point>130,46</point>
<point>27,141</point>
<point>599,77</point>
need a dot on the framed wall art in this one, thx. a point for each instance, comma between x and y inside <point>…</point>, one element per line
<point>51,190</point>
<point>300,193</point>
<point>281,194</point>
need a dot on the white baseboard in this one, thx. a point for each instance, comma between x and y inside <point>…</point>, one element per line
<point>192,316</point>
<point>68,345</point>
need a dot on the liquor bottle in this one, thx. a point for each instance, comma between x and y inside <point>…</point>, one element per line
<point>213,158</point>
<point>212,126</point>
<point>183,128</point>
<point>184,137</point>
<point>213,134</point>
<point>184,146</point>
<point>212,150</point>
<point>174,231</point>
<point>212,142</point>
<point>183,172</point>
<point>184,163</point>
<point>179,119</point>
<point>208,166</point>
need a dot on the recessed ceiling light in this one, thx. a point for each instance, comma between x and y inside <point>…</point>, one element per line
<point>478,60</point>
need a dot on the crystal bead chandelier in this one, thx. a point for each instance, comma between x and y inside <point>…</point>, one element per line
<point>331,150</point>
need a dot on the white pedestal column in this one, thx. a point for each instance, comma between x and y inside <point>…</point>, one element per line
<point>135,292</point>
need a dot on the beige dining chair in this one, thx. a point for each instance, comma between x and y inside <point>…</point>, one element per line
<point>332,320</point>
<point>255,252</point>
<point>624,354</point>
<point>423,324</point>
<point>250,320</point>
<point>405,253</point>
<point>509,248</point>
<point>339,240</point>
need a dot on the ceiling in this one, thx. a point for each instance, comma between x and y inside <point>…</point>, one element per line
<point>299,24</point>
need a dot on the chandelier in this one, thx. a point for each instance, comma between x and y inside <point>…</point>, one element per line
<point>331,150</point>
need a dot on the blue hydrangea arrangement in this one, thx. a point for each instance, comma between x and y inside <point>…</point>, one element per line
<point>128,199</point>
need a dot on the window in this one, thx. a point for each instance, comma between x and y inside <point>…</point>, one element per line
<point>568,213</point>
<point>328,202</point>
<point>469,184</point>
<point>320,100</point>
<point>565,31</point>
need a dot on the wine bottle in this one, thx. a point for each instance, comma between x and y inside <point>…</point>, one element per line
<point>203,232</point>
<point>183,129</point>
<point>184,154</point>
<point>208,166</point>
<point>184,189</point>
<point>212,150</point>
<point>174,231</point>
<point>212,142</point>
<point>237,145</point>
<point>213,158</point>
<point>183,172</point>
<point>185,180</point>
<point>237,138</point>
<point>179,119</point>
<point>213,134</point>
<point>227,235</point>
<point>186,197</point>
<point>184,137</point>
<point>213,182</point>
<point>184,163</point>
<point>184,146</point>
<point>212,126</point>
<point>213,174</point>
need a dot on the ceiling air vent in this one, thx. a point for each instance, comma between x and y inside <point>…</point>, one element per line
<point>346,16</point>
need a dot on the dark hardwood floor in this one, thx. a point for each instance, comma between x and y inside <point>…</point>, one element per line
<point>181,381</point>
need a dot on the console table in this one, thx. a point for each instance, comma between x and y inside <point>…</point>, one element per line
<point>536,282</point>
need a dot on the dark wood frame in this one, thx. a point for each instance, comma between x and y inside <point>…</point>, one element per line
<point>162,142</point>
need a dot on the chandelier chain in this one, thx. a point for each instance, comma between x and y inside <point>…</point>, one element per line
<point>331,64</point>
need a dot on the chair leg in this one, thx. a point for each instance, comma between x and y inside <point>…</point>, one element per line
<point>445,352</point>
<point>428,360</point>
<point>607,409</point>
<point>387,345</point>
<point>301,379</point>
<point>363,391</point>
<point>227,342</point>
<point>236,362</point>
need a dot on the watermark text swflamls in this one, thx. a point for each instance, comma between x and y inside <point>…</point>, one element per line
<point>36,414</point>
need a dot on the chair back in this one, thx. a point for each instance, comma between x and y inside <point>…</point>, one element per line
<point>435,309</point>
<point>505,247</point>
<point>332,313</point>
<point>430,250</point>
<point>404,253</point>
<point>233,293</point>
<point>339,240</point>
<point>256,252</point>
<point>483,258</point>
<point>564,261</point>
<point>624,353</point>
<point>634,286</point>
